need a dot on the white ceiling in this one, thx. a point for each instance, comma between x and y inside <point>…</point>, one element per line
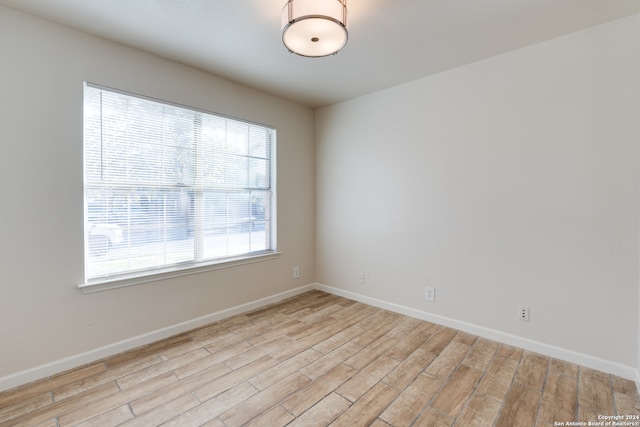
<point>390,41</point>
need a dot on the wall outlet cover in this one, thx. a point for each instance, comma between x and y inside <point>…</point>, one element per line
<point>430,293</point>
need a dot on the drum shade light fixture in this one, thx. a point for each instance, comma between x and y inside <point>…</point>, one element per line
<point>314,28</point>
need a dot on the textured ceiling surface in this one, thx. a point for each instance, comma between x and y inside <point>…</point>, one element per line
<point>390,41</point>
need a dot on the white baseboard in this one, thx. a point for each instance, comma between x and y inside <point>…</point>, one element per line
<point>55,367</point>
<point>58,366</point>
<point>603,365</point>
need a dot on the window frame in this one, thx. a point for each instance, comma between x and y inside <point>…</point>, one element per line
<point>133,277</point>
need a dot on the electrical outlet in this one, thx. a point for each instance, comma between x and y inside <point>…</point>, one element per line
<point>363,278</point>
<point>430,293</point>
<point>523,313</point>
<point>296,272</point>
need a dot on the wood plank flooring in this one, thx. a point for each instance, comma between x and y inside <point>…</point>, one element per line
<point>317,360</point>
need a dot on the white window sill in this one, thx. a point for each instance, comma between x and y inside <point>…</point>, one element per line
<point>98,285</point>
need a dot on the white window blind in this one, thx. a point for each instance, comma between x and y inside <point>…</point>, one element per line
<point>168,187</point>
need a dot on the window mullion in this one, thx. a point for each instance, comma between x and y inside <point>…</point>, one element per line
<point>198,197</point>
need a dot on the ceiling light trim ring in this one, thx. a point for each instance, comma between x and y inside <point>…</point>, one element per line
<point>323,17</point>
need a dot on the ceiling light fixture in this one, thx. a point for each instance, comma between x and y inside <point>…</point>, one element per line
<point>314,28</point>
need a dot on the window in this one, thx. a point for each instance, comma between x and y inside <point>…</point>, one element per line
<point>169,188</point>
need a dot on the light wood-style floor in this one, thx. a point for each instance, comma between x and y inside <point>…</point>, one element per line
<point>317,360</point>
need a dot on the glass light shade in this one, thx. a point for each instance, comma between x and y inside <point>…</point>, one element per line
<point>314,27</point>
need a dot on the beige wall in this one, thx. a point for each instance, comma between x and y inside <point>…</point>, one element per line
<point>510,181</point>
<point>43,316</point>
